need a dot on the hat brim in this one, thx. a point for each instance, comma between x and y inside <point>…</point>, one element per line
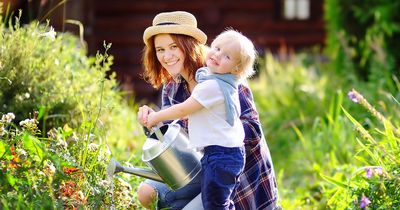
<point>174,29</point>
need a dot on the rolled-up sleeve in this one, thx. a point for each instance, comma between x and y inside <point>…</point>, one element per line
<point>249,117</point>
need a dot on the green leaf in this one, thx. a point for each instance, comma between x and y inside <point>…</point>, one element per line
<point>12,180</point>
<point>33,145</point>
<point>2,148</point>
<point>364,133</point>
<point>335,182</point>
<point>42,111</point>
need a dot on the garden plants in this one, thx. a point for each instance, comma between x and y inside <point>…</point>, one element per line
<point>62,115</point>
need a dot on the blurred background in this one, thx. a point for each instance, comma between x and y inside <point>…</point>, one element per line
<point>327,90</point>
<point>273,25</point>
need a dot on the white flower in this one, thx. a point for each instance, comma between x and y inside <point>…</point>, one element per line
<point>62,144</point>
<point>22,154</point>
<point>2,130</point>
<point>7,118</point>
<point>49,168</point>
<point>104,183</point>
<point>89,137</point>
<point>28,122</point>
<point>92,147</point>
<point>50,34</point>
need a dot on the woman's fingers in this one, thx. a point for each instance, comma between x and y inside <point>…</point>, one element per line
<point>143,113</point>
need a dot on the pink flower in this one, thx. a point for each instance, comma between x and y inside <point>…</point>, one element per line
<point>364,202</point>
<point>368,172</point>
<point>378,171</point>
<point>352,96</point>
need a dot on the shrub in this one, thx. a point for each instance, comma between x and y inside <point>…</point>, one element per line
<point>376,184</point>
<point>60,114</point>
<point>39,71</point>
<point>362,37</point>
<point>289,95</point>
<point>63,171</point>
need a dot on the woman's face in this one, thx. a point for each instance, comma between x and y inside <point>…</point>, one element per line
<point>169,54</point>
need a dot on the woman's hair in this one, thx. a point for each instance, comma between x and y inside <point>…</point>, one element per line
<point>192,49</point>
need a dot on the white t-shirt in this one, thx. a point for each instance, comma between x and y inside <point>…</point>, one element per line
<point>209,126</point>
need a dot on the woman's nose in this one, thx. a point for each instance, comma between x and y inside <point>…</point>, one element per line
<point>167,54</point>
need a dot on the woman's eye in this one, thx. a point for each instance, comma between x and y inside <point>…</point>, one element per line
<point>174,47</point>
<point>159,50</point>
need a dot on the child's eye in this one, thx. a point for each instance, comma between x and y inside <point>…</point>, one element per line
<point>215,48</point>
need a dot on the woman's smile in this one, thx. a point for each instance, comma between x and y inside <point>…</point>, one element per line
<point>171,63</point>
<point>169,54</point>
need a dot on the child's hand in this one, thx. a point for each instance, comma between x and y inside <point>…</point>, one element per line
<point>151,120</point>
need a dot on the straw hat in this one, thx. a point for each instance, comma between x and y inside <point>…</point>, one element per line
<point>177,22</point>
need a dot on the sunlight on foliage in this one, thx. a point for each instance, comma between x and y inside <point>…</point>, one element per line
<point>62,119</point>
<point>375,185</point>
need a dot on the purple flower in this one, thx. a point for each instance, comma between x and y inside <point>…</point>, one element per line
<point>369,172</point>
<point>352,96</point>
<point>364,202</point>
<point>378,171</point>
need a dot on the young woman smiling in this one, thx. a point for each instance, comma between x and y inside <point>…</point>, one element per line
<point>174,50</point>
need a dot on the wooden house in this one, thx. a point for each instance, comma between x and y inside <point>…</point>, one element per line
<point>271,24</point>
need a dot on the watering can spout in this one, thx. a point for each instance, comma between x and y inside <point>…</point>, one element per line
<point>116,167</point>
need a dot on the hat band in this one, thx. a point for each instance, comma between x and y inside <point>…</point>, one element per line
<point>167,23</point>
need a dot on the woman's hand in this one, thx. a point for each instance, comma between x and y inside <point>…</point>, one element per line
<point>143,114</point>
<point>151,120</point>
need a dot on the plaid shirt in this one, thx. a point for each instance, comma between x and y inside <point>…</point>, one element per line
<point>257,189</point>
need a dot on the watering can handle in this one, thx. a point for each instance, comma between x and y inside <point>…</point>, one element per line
<point>157,131</point>
<point>146,131</point>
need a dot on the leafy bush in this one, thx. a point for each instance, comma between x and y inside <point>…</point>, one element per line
<point>63,171</point>
<point>289,95</point>
<point>307,131</point>
<point>362,37</point>
<point>376,184</point>
<point>60,119</point>
<point>39,71</point>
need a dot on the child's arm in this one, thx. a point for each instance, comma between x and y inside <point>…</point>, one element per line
<point>177,111</point>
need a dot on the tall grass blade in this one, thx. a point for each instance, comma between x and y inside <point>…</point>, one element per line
<point>335,182</point>
<point>364,133</point>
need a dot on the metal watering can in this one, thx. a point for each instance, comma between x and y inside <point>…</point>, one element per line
<point>166,151</point>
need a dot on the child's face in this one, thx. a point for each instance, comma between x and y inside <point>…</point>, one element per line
<point>223,56</point>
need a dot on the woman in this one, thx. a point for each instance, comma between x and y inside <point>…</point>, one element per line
<point>174,50</point>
